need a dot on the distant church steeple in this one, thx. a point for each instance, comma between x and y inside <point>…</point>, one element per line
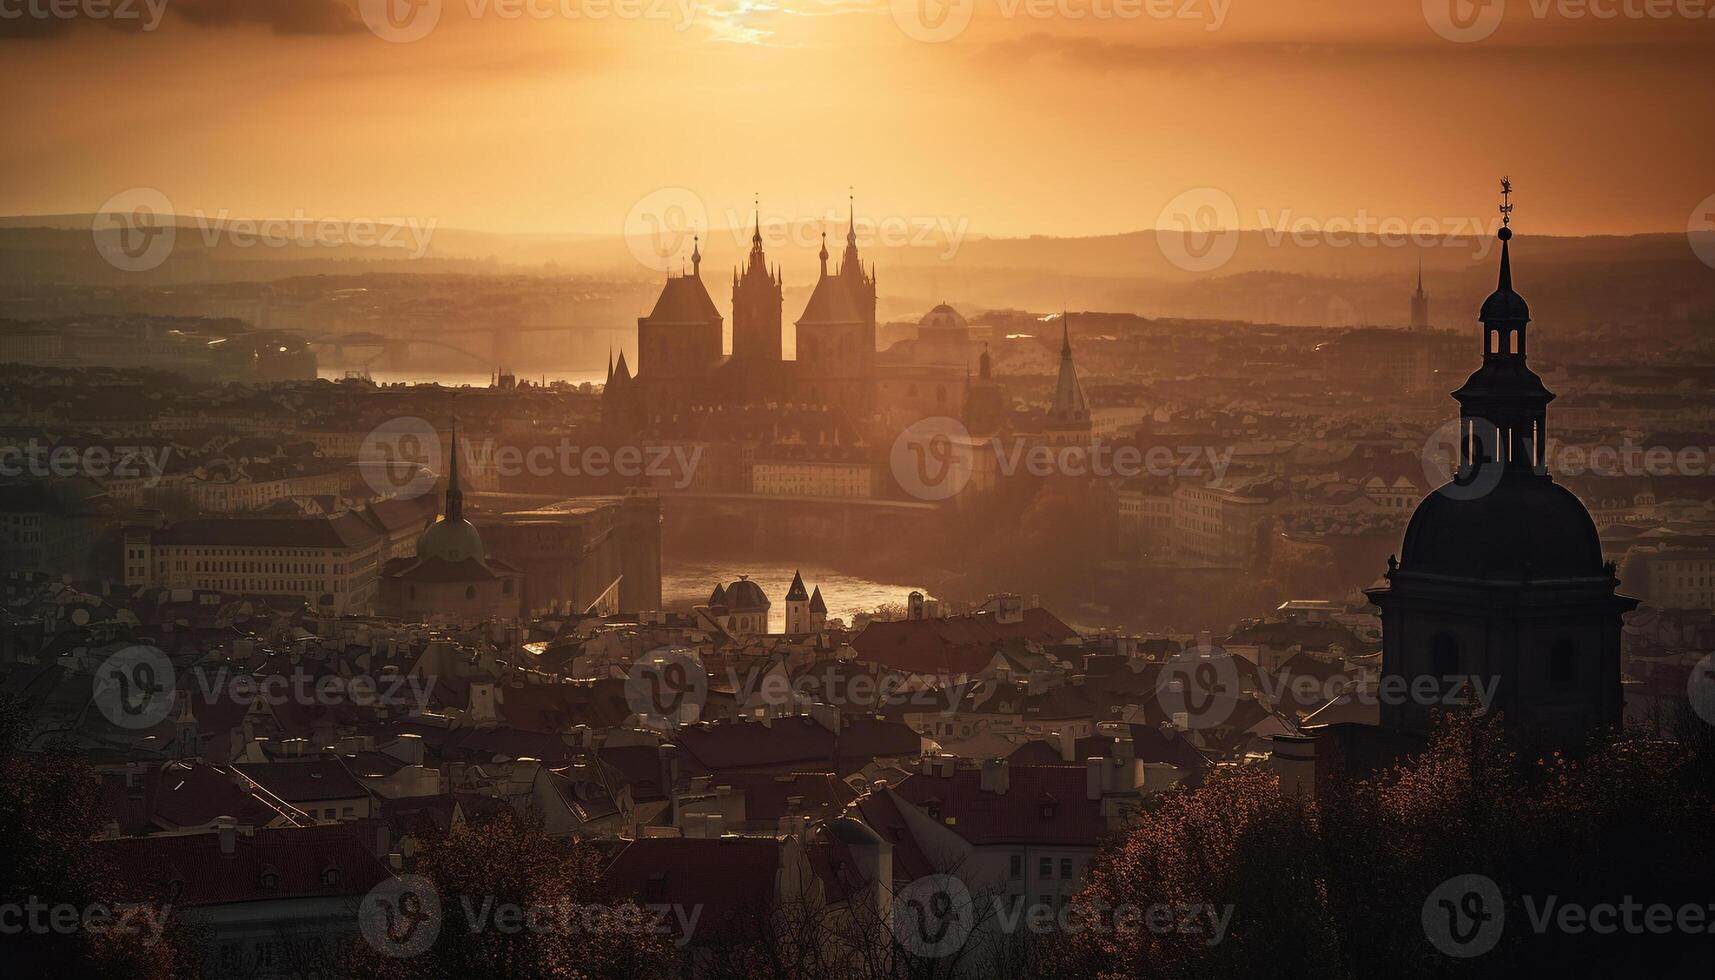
<point>757,301</point>
<point>849,262</point>
<point>1419,303</point>
<point>455,495</point>
<point>1070,405</point>
<point>1069,419</point>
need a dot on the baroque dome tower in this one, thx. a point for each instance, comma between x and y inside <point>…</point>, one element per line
<point>452,538</point>
<point>1500,590</point>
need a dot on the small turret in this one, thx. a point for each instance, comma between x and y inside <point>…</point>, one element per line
<point>798,607</point>
<point>818,611</point>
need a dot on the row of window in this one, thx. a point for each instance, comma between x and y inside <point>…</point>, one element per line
<point>1045,867</point>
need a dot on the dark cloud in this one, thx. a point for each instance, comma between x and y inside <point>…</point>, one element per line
<point>39,22</point>
<point>284,17</point>
<point>1104,55</point>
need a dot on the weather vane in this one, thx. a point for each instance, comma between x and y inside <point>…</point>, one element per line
<point>1506,201</point>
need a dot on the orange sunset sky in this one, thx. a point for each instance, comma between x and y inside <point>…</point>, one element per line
<point>1059,117</point>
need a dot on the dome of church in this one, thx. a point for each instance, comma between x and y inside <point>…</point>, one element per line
<point>451,539</point>
<point>745,595</point>
<point>1526,525</point>
<point>943,317</point>
<point>1503,305</point>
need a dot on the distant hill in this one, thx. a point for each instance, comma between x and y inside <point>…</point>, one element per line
<point>1267,278</point>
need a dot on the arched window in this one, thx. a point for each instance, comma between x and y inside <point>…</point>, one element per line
<point>1562,662</point>
<point>1444,655</point>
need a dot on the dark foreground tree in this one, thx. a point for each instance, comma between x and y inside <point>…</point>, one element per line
<point>1356,883</point>
<point>49,865</point>
<point>517,905</point>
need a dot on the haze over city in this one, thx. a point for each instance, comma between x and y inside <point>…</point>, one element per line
<point>853,489</point>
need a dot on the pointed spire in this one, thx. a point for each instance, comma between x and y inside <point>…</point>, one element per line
<point>797,592</point>
<point>756,236</point>
<point>1504,307</point>
<point>1506,280</point>
<point>455,496</point>
<point>1070,406</point>
<point>823,254</point>
<point>849,262</point>
<point>610,364</point>
<point>817,604</point>
<point>697,256</point>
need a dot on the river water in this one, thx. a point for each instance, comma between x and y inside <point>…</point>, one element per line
<point>455,379</point>
<point>689,582</point>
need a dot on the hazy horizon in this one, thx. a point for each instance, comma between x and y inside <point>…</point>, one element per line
<point>526,124</point>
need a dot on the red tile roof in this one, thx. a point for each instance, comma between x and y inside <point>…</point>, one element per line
<point>956,644</point>
<point>1016,816</point>
<point>726,876</point>
<point>767,795</point>
<point>189,794</point>
<point>783,742</point>
<point>305,780</point>
<point>305,862</point>
<point>344,532</point>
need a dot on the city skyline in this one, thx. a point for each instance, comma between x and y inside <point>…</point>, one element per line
<point>857,490</point>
